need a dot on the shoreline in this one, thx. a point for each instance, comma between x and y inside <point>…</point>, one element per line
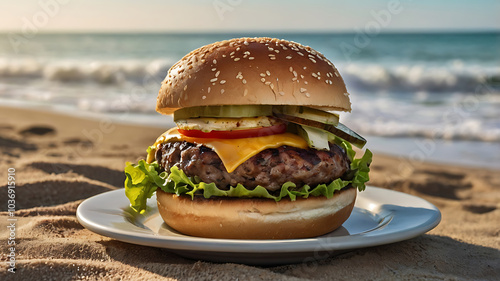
<point>61,160</point>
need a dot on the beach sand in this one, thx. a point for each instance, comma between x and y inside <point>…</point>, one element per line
<point>60,161</point>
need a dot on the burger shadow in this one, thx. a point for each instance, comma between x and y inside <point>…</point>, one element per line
<point>430,255</point>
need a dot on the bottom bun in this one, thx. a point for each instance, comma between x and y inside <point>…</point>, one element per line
<point>255,218</point>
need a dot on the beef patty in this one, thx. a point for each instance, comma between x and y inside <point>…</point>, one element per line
<point>270,168</point>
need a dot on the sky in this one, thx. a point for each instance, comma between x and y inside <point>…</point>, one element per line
<point>247,15</point>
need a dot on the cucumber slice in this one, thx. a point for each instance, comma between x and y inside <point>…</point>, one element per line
<point>227,111</point>
<point>340,130</point>
<point>308,113</point>
<point>316,138</point>
<point>349,135</point>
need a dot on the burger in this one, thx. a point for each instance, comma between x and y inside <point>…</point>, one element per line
<point>258,151</point>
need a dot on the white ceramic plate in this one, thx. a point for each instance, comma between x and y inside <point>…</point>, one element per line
<point>380,216</point>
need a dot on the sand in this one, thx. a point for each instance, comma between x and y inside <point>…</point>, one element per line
<point>60,161</point>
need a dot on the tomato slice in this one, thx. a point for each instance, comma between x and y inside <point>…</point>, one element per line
<point>236,134</point>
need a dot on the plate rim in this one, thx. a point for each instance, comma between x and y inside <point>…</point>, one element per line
<point>320,244</point>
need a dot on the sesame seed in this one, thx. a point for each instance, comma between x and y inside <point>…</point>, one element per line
<point>214,69</point>
<point>236,59</point>
<point>294,73</point>
<point>300,53</point>
<point>267,83</point>
<point>204,97</point>
<point>262,79</point>
<point>308,95</point>
<point>237,49</point>
<point>331,83</point>
<point>222,81</point>
<point>313,60</point>
<point>288,57</point>
<point>291,69</point>
<point>208,90</point>
<point>246,43</point>
<point>213,79</point>
<point>244,81</point>
<point>246,53</point>
<point>271,49</point>
<point>337,74</point>
<point>284,47</point>
<point>214,61</point>
<point>277,51</point>
<point>301,76</point>
<point>217,73</point>
<point>314,74</point>
<point>302,90</point>
<point>282,93</point>
<point>272,86</point>
<point>271,55</point>
<point>213,84</point>
<point>245,92</point>
<point>250,58</point>
<point>326,81</point>
<point>224,55</point>
<point>305,67</point>
<point>262,75</point>
<point>232,53</point>
<point>203,60</point>
<point>185,87</point>
<point>272,58</point>
<point>294,79</point>
<point>268,73</point>
<point>305,82</point>
<point>222,91</point>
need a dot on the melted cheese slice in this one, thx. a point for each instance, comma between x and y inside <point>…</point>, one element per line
<point>233,152</point>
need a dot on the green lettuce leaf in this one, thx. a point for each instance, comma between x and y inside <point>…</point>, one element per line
<point>143,179</point>
<point>141,182</point>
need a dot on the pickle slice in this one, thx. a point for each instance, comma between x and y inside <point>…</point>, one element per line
<point>307,113</point>
<point>227,111</point>
<point>340,130</point>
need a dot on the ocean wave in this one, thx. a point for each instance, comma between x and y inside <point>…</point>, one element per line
<point>96,72</point>
<point>419,78</point>
<point>470,130</point>
<point>451,77</point>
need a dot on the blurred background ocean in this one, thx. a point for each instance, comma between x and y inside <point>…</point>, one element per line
<point>423,95</point>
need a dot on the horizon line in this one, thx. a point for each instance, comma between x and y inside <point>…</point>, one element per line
<point>389,31</point>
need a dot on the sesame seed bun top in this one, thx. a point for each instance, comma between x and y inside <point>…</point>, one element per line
<point>246,71</point>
